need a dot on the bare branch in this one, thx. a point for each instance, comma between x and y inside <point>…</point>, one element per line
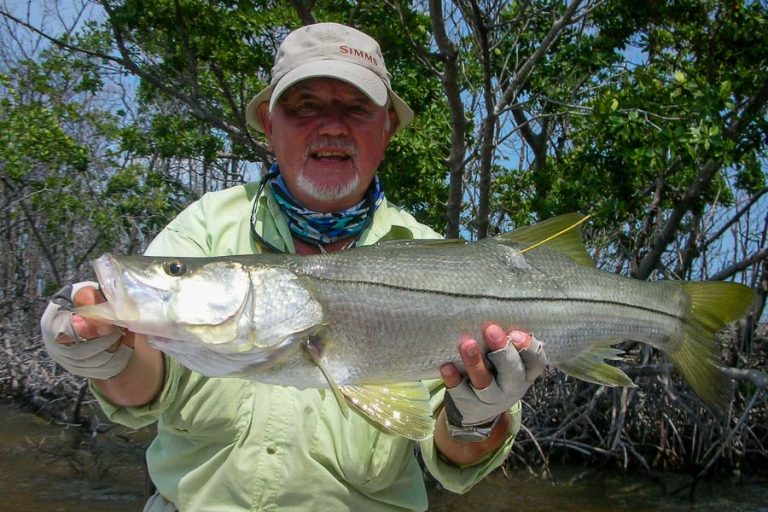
<point>524,71</point>
<point>304,10</point>
<point>733,220</point>
<point>697,187</point>
<point>488,127</point>
<point>168,88</point>
<point>36,233</point>
<point>421,52</point>
<point>459,123</point>
<point>756,377</point>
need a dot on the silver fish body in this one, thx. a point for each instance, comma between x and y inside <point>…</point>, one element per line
<point>398,314</point>
<point>395,312</point>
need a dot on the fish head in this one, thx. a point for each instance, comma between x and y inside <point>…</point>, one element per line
<point>178,298</point>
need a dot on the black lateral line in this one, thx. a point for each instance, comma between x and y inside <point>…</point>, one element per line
<point>460,295</point>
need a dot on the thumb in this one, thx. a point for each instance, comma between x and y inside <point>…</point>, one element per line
<point>88,296</point>
<point>88,328</point>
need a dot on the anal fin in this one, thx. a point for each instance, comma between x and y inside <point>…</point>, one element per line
<point>590,366</point>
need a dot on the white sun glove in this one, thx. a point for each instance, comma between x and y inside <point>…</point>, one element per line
<point>514,373</point>
<point>87,358</point>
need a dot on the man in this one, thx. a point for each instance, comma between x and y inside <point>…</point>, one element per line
<point>233,444</point>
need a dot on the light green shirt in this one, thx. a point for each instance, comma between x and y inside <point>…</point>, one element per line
<point>235,445</point>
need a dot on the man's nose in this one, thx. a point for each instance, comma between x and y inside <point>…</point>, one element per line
<point>333,122</point>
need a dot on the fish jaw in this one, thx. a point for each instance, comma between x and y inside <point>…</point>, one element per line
<point>109,274</point>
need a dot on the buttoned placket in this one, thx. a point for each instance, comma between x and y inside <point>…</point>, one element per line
<point>275,425</point>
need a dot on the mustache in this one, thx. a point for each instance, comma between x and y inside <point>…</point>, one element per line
<point>334,143</point>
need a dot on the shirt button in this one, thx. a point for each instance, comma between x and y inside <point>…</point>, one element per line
<point>271,449</point>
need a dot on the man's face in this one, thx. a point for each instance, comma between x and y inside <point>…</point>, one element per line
<point>329,139</point>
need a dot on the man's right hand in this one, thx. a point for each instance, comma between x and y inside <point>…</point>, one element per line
<point>84,347</point>
<point>87,328</point>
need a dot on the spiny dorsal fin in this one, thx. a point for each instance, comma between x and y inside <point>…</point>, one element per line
<point>561,234</point>
<point>402,409</point>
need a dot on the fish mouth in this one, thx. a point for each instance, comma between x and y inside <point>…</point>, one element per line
<point>110,273</point>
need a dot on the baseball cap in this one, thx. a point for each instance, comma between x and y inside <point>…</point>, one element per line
<point>335,51</point>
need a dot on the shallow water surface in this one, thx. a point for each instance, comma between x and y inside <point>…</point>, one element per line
<point>579,490</point>
<point>46,467</point>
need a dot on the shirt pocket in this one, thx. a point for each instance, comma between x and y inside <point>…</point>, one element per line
<point>210,408</point>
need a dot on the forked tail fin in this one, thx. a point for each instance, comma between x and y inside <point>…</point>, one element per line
<point>713,305</point>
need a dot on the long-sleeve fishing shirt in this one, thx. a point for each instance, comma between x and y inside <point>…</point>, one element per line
<point>228,444</point>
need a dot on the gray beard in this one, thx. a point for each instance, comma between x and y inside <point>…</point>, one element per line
<point>326,192</point>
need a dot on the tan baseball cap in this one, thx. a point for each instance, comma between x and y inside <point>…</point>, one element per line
<point>334,51</point>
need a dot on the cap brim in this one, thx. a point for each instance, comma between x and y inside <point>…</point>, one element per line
<point>365,80</point>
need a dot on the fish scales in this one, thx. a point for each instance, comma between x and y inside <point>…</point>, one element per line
<point>402,306</point>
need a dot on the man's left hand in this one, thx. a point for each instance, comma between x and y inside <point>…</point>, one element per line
<point>488,390</point>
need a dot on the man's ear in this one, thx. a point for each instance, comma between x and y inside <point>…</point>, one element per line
<point>394,122</point>
<point>265,119</point>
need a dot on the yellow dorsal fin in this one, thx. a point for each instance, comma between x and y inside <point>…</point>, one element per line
<point>561,234</point>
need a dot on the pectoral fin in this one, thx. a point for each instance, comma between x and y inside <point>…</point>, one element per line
<point>402,409</point>
<point>314,350</point>
<point>590,366</point>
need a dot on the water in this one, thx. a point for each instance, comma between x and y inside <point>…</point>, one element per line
<point>45,467</point>
<point>574,490</point>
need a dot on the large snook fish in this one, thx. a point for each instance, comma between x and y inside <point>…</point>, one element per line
<point>360,321</point>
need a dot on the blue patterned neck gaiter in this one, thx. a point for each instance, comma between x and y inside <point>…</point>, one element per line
<point>324,228</point>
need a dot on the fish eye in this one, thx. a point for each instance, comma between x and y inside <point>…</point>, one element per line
<point>174,268</point>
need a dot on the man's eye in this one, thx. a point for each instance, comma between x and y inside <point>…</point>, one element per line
<point>358,110</point>
<point>307,106</point>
